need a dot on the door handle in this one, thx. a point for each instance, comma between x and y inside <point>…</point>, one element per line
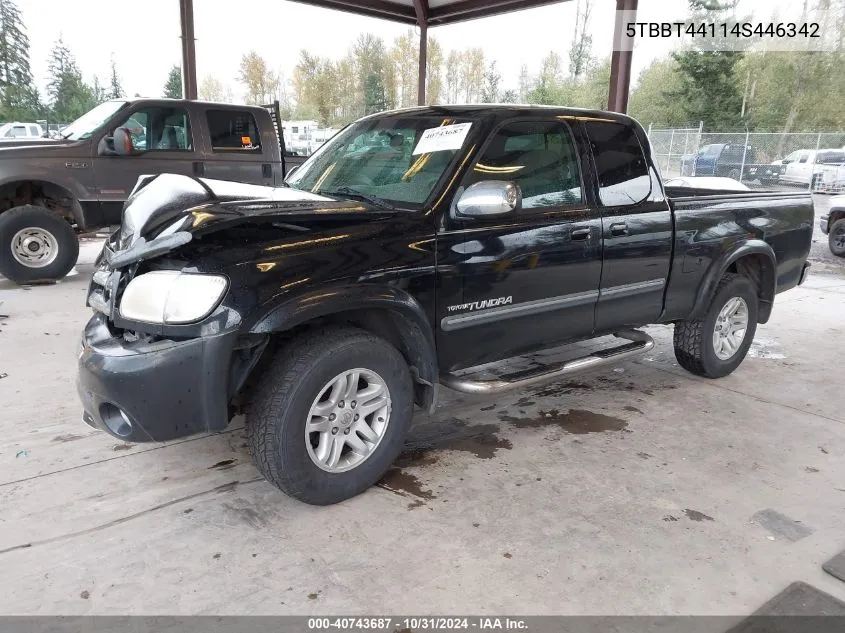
<point>619,229</point>
<point>579,234</point>
<point>199,168</point>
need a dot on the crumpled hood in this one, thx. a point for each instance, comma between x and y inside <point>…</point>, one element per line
<point>164,212</point>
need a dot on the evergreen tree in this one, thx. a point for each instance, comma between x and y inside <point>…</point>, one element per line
<point>709,90</point>
<point>173,86</point>
<point>492,79</point>
<point>115,89</point>
<point>18,96</point>
<point>371,63</point>
<point>99,92</point>
<point>70,97</point>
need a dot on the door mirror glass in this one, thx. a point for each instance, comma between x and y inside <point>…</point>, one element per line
<point>122,141</point>
<point>489,198</point>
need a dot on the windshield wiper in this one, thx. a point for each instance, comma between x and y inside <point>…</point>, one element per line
<point>348,192</point>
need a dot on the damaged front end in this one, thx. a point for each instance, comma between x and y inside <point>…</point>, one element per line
<point>163,355</point>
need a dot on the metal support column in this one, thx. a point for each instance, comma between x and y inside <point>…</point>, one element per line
<point>423,64</point>
<point>620,61</point>
<point>189,53</point>
<point>421,9</point>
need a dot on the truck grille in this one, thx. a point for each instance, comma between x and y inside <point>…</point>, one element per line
<point>105,284</point>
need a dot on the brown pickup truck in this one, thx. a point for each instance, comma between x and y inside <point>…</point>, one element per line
<point>51,190</point>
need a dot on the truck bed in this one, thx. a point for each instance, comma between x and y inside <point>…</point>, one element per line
<point>709,223</point>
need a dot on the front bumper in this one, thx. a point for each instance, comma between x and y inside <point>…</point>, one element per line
<point>824,224</point>
<point>152,392</point>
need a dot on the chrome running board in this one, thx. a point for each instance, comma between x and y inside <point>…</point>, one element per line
<point>640,342</point>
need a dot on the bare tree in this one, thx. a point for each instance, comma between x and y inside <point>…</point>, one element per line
<point>261,83</point>
<point>580,55</point>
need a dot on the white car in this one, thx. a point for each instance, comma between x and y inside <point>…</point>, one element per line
<point>21,131</point>
<point>707,182</point>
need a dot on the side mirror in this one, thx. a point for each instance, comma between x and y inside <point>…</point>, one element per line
<point>489,198</point>
<point>122,141</point>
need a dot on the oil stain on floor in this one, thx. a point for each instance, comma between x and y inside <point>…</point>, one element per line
<point>424,444</point>
<point>575,421</point>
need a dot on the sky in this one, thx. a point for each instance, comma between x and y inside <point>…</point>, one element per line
<point>143,37</point>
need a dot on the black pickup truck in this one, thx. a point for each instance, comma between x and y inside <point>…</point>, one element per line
<point>413,245</point>
<point>50,190</point>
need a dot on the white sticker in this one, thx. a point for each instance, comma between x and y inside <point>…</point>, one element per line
<point>446,137</point>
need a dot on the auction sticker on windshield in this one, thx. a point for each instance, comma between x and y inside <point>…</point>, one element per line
<point>445,137</point>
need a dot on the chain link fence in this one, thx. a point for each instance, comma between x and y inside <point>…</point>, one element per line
<point>814,160</point>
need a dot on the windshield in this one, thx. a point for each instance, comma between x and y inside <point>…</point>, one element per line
<point>397,158</point>
<point>89,122</point>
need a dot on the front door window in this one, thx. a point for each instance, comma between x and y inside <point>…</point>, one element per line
<point>159,129</point>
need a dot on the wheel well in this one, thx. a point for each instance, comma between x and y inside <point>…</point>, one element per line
<point>834,216</point>
<point>759,269</point>
<point>394,327</point>
<point>40,193</point>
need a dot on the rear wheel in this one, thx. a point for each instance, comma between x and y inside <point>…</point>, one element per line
<point>715,345</point>
<point>36,245</point>
<point>836,238</point>
<point>330,414</point>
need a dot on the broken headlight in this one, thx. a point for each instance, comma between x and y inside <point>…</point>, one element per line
<point>168,296</point>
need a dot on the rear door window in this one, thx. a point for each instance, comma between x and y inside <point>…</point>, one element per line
<point>831,158</point>
<point>621,167</point>
<point>233,131</point>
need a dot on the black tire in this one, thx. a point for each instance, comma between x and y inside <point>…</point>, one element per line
<point>30,216</point>
<point>693,339</point>
<point>284,394</point>
<point>836,238</point>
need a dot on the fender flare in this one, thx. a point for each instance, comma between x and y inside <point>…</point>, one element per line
<point>407,320</point>
<point>767,281</point>
<point>78,214</point>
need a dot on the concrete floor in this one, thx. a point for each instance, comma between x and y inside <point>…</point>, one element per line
<point>640,490</point>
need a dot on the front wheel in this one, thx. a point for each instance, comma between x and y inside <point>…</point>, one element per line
<point>329,414</point>
<point>715,345</point>
<point>36,245</point>
<point>836,238</point>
